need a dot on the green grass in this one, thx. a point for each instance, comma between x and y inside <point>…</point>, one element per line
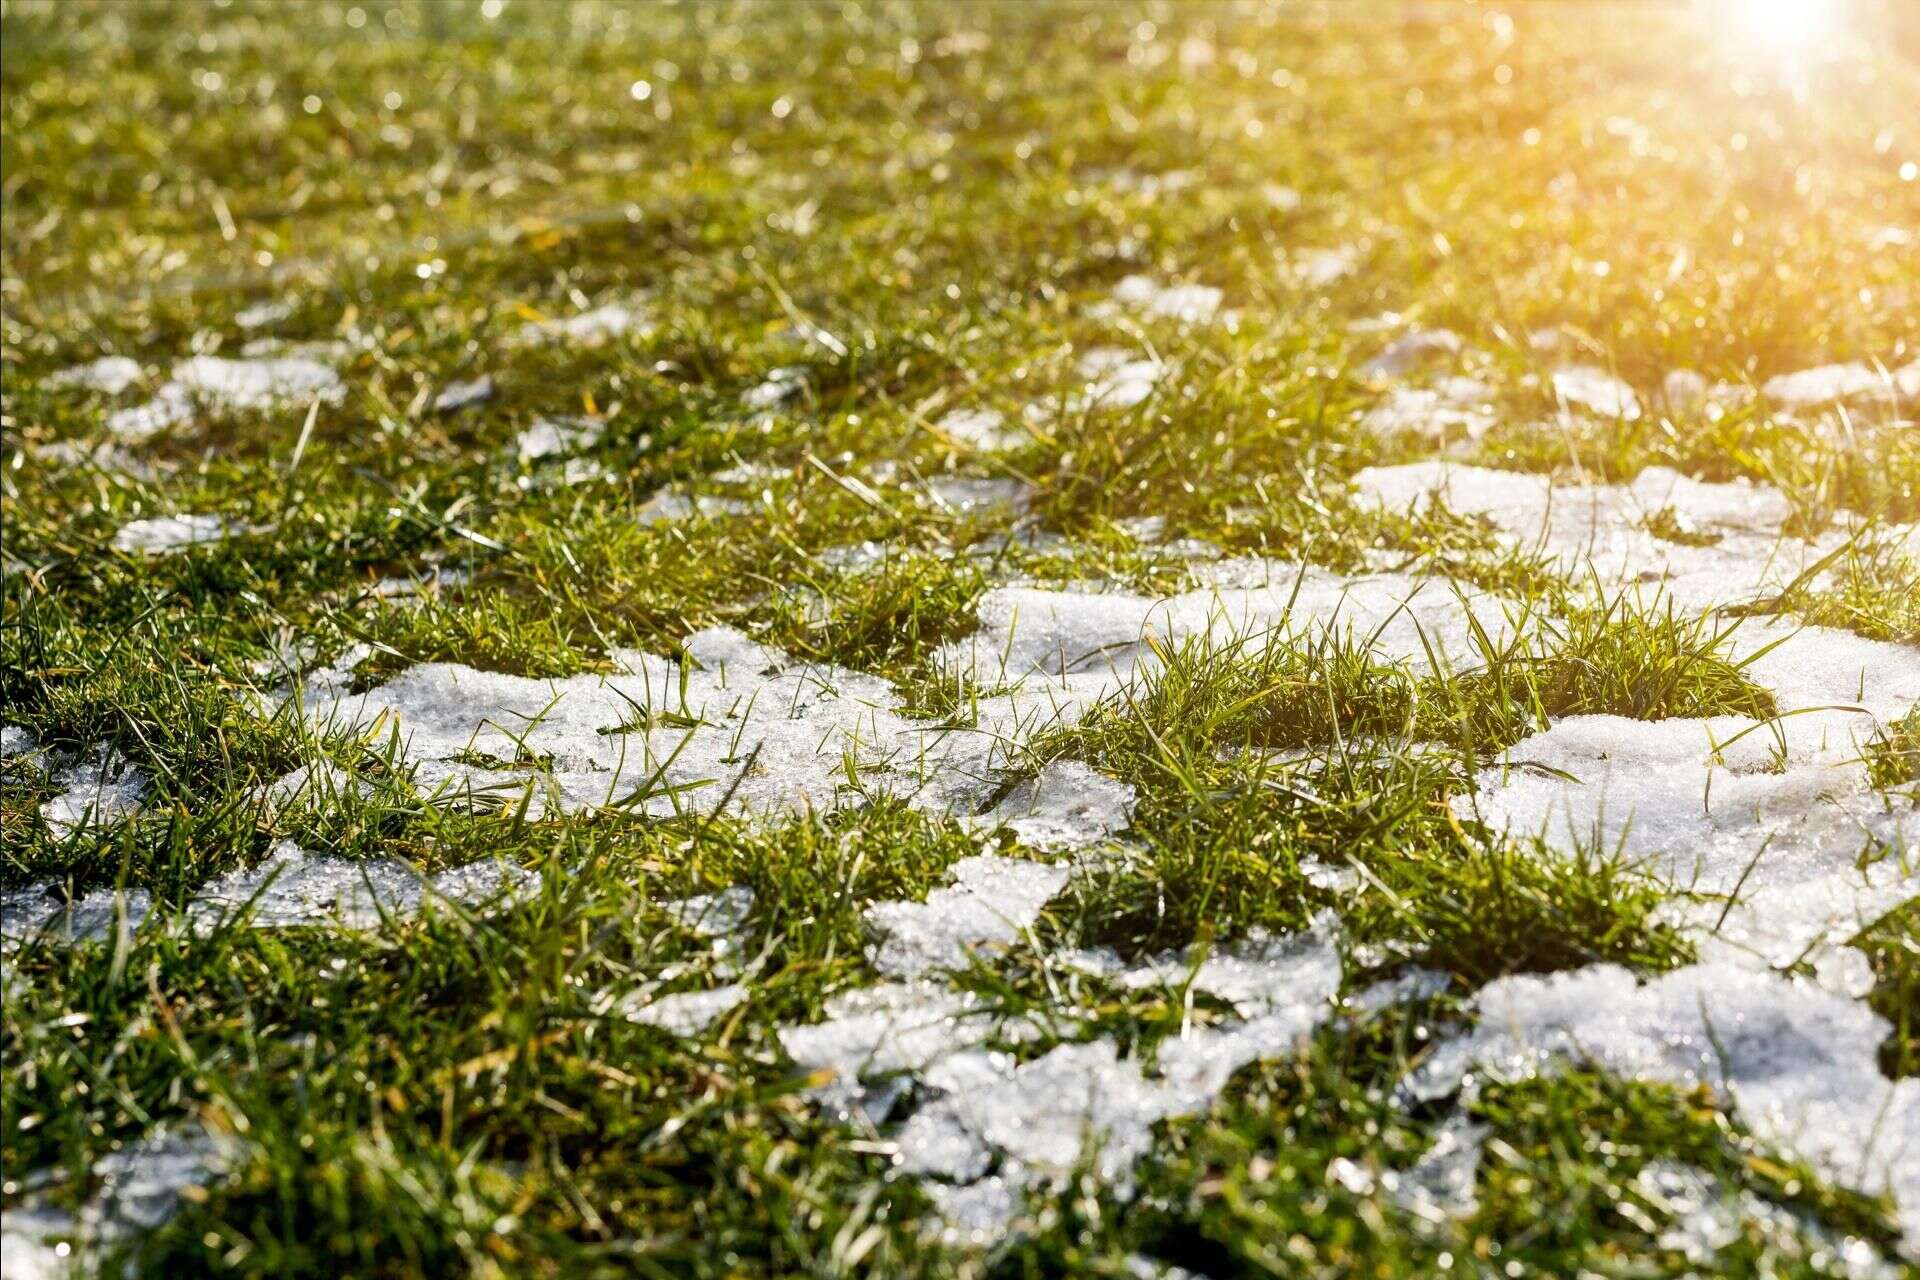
<point>940,191</point>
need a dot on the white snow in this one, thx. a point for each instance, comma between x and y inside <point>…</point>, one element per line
<point>1797,1062</point>
<point>589,329</point>
<point>163,535</point>
<point>228,385</point>
<point>462,395</point>
<point>992,902</point>
<point>779,386</point>
<point>93,794</point>
<point>140,1187</point>
<point>1782,814</point>
<point>1733,551</point>
<point>1067,805</point>
<point>1089,642</point>
<point>778,736</point>
<point>1597,390</point>
<point>1809,388</point>
<point>557,437</point>
<point>1115,379</point>
<point>1318,268</point>
<point>1413,350</point>
<point>109,375</point>
<point>1041,1119</point>
<point>983,429</point>
<point>683,1013</point>
<point>1181,303</point>
<point>1456,406</point>
<point>291,888</point>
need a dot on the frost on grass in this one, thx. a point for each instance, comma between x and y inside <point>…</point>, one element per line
<point>231,386</point>
<point>93,794</point>
<point>109,375</point>
<point>1701,544</point>
<point>991,902</point>
<point>139,1187</point>
<point>589,329</point>
<point>1797,1062</point>
<point>1595,390</point>
<point>163,535</point>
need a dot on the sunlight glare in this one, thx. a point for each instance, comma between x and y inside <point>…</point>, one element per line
<point>1783,28</point>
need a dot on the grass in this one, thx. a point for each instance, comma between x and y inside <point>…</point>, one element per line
<point>944,195</point>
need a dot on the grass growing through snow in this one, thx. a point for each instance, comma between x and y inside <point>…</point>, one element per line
<point>944,194</point>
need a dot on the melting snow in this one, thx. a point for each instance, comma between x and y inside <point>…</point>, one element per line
<point>109,374</point>
<point>1091,642</point>
<point>778,387</point>
<point>984,429</point>
<point>1412,351</point>
<point>463,395</point>
<point>992,901</point>
<point>162,535</point>
<point>1184,303</point>
<point>1785,827</point>
<point>1034,1123</point>
<point>292,888</point>
<point>683,1013</point>
<point>1811,387</point>
<point>1067,805</point>
<point>93,794</point>
<point>1318,268</point>
<point>1116,379</point>
<point>140,1187</point>
<point>1732,552</point>
<point>1799,1063</point>
<point>589,329</point>
<point>1453,405</point>
<point>557,437</point>
<point>230,385</point>
<point>1596,389</point>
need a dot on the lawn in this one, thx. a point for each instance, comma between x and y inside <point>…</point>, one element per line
<point>993,640</point>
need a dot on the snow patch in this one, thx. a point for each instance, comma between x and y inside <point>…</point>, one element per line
<point>588,329</point>
<point>992,902</point>
<point>109,375</point>
<point>1797,1062</point>
<point>1596,390</point>
<point>163,535</point>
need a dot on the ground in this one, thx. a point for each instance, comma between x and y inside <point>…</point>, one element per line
<point>994,640</point>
